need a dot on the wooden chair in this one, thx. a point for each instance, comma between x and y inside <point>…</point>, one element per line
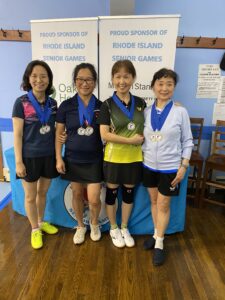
<point>196,160</point>
<point>215,162</point>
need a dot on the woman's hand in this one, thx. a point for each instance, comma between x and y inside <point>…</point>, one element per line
<point>21,169</point>
<point>62,138</point>
<point>137,139</point>
<point>180,175</point>
<point>60,166</point>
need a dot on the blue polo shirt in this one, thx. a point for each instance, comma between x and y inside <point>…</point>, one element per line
<point>80,148</point>
<point>35,144</point>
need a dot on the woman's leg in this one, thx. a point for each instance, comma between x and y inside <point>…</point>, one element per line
<point>111,208</point>
<point>153,194</point>
<point>78,206</point>
<point>30,190</point>
<point>115,232</point>
<point>163,213</point>
<point>93,193</point>
<point>126,205</point>
<point>42,189</point>
<point>78,201</point>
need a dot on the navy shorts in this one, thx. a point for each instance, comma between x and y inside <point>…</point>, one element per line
<point>162,181</point>
<point>37,167</point>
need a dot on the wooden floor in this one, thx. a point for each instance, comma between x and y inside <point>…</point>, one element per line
<point>195,266</point>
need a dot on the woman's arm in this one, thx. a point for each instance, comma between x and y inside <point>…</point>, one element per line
<point>18,125</point>
<point>187,145</point>
<point>60,166</point>
<point>108,136</point>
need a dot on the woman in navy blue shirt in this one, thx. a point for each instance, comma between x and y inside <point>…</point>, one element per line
<point>34,140</point>
<point>82,163</point>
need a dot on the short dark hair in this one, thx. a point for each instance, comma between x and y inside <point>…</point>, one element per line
<point>164,73</point>
<point>25,85</point>
<point>126,64</point>
<point>88,66</point>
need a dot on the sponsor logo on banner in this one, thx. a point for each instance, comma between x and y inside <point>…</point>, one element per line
<point>103,219</point>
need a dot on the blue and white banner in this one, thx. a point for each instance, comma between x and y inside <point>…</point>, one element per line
<point>63,44</point>
<point>148,41</point>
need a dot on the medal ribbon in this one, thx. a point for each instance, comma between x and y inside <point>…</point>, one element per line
<point>126,111</point>
<point>157,120</point>
<point>43,115</point>
<point>86,114</point>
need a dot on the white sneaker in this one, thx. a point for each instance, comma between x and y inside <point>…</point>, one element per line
<point>117,238</point>
<point>95,234</point>
<point>79,235</point>
<point>129,241</point>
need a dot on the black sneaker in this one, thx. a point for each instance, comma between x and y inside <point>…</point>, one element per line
<point>149,243</point>
<point>158,257</point>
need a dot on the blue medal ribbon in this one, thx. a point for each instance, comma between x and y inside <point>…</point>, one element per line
<point>86,114</point>
<point>126,111</point>
<point>43,115</point>
<point>157,120</point>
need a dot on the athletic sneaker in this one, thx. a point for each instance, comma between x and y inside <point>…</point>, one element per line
<point>95,232</point>
<point>158,257</point>
<point>79,235</point>
<point>36,239</point>
<point>129,241</point>
<point>117,238</point>
<point>48,228</point>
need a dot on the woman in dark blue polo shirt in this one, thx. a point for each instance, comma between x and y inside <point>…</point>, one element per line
<point>34,144</point>
<point>82,163</point>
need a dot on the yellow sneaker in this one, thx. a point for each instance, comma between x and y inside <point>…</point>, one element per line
<point>36,239</point>
<point>48,228</point>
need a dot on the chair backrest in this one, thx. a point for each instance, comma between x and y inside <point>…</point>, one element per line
<point>196,128</point>
<point>218,146</point>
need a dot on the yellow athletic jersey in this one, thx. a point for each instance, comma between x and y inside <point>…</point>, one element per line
<point>112,115</point>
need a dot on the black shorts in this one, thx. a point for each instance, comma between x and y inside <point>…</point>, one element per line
<point>84,172</point>
<point>126,173</point>
<point>37,167</point>
<point>162,181</point>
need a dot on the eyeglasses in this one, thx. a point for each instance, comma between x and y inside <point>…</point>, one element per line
<point>82,80</point>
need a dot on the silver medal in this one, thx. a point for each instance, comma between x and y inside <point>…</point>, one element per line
<point>158,137</point>
<point>47,128</point>
<point>152,137</point>
<point>89,130</point>
<point>42,130</point>
<point>81,131</point>
<point>131,126</point>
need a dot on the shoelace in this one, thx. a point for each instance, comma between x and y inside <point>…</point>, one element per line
<point>95,228</point>
<point>79,232</point>
<point>37,233</point>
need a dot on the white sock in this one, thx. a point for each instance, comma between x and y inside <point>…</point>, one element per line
<point>155,234</point>
<point>159,242</point>
<point>35,229</point>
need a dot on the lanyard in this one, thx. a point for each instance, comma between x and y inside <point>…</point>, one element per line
<point>126,111</point>
<point>43,115</point>
<point>86,113</point>
<point>157,120</point>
